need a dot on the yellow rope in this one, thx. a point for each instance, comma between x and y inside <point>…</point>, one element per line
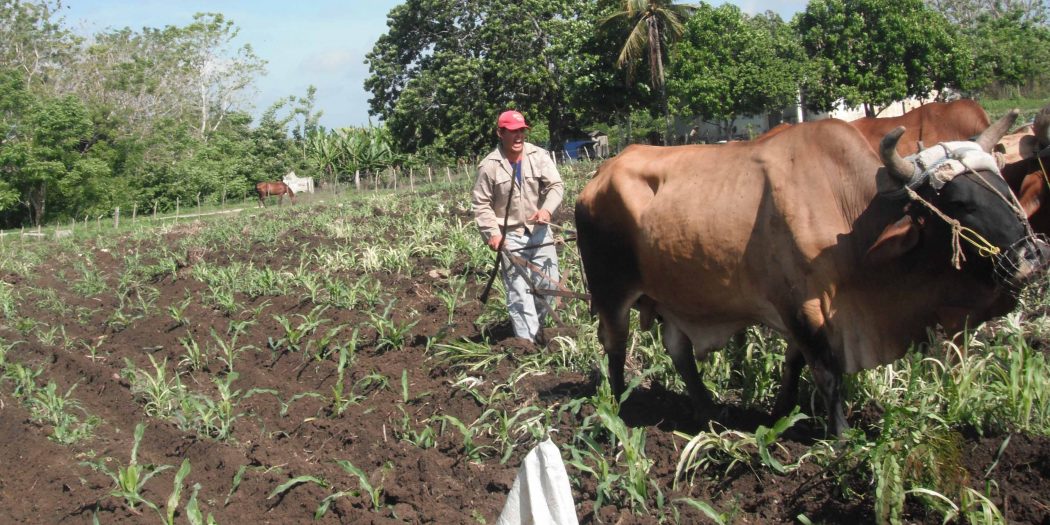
<point>984,248</point>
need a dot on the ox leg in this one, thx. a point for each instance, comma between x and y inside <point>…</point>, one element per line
<point>787,398</point>
<point>680,348</point>
<point>612,333</point>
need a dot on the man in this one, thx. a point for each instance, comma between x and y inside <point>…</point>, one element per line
<point>517,190</point>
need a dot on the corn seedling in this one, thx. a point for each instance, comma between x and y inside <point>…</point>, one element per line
<point>195,356</point>
<point>228,351</point>
<point>47,405</point>
<point>178,312</point>
<point>375,494</point>
<point>128,481</point>
<point>390,334</point>
<point>162,395</point>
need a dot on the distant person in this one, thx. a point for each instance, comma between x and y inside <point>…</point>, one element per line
<point>517,190</point>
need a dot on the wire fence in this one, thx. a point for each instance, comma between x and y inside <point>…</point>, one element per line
<point>152,214</point>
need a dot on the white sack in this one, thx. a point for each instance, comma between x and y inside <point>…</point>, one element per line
<point>541,493</point>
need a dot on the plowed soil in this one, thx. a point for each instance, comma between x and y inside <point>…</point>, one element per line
<point>279,437</point>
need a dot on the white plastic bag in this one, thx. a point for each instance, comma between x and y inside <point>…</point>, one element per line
<point>541,493</point>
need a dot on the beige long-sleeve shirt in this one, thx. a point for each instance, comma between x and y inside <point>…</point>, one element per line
<point>541,188</point>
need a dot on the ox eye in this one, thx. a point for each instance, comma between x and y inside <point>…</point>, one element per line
<point>961,207</point>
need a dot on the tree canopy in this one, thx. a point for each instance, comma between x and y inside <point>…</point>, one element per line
<point>730,64</point>
<point>873,52</point>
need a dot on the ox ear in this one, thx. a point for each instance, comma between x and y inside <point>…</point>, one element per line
<point>896,240</point>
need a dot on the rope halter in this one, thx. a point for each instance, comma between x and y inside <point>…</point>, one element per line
<point>939,165</point>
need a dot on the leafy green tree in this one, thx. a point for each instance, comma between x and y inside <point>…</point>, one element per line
<point>729,64</point>
<point>655,26</point>
<point>1008,50</point>
<point>47,158</point>
<point>874,52</point>
<point>445,69</point>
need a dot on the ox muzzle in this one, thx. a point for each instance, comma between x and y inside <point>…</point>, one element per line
<point>1017,265</point>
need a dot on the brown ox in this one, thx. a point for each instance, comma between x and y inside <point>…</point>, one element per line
<point>266,189</point>
<point>927,125</point>
<point>1027,159</point>
<point>806,232</point>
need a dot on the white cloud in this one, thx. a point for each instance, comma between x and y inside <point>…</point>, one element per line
<point>330,62</point>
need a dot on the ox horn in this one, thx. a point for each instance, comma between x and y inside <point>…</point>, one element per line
<point>901,169</point>
<point>991,136</point>
<point>1042,126</point>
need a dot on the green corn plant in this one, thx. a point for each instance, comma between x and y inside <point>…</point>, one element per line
<point>294,336</point>
<point>195,356</point>
<point>375,494</point>
<point>390,334</point>
<point>178,312</point>
<point>24,379</point>
<point>340,398</point>
<point>228,351</point>
<point>450,297</point>
<point>129,480</point>
<point>162,395</point>
<point>176,493</point>
<point>55,409</point>
<point>193,511</point>
<point>467,355</point>
<point>473,451</point>
<point>292,483</point>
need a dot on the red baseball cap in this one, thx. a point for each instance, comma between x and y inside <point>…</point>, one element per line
<point>511,120</point>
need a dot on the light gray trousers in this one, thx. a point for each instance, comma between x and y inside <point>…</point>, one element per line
<point>527,313</point>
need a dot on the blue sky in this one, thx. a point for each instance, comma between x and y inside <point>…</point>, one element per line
<point>310,42</point>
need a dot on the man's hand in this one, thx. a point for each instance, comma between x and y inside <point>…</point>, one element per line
<point>541,216</point>
<point>494,242</point>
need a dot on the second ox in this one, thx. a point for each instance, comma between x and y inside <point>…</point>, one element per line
<point>849,254</point>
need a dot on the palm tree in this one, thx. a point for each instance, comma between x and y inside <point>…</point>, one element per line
<point>655,24</point>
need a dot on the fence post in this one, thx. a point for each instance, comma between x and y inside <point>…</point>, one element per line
<point>98,223</point>
<point>72,225</point>
<point>116,218</point>
<point>134,211</point>
<point>430,175</point>
<point>357,180</point>
<point>177,209</point>
<point>448,174</point>
<point>198,203</point>
<point>155,211</point>
<point>411,179</point>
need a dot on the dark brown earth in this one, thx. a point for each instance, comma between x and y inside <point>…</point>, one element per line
<point>45,482</point>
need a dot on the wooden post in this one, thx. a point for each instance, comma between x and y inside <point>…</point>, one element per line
<point>198,203</point>
<point>155,211</point>
<point>116,218</point>
<point>411,179</point>
<point>357,180</point>
<point>72,225</point>
<point>223,197</point>
<point>395,179</point>
<point>98,223</point>
<point>177,209</point>
<point>430,175</point>
<point>448,174</point>
<point>134,211</point>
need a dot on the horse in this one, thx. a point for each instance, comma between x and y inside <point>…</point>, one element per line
<point>278,188</point>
